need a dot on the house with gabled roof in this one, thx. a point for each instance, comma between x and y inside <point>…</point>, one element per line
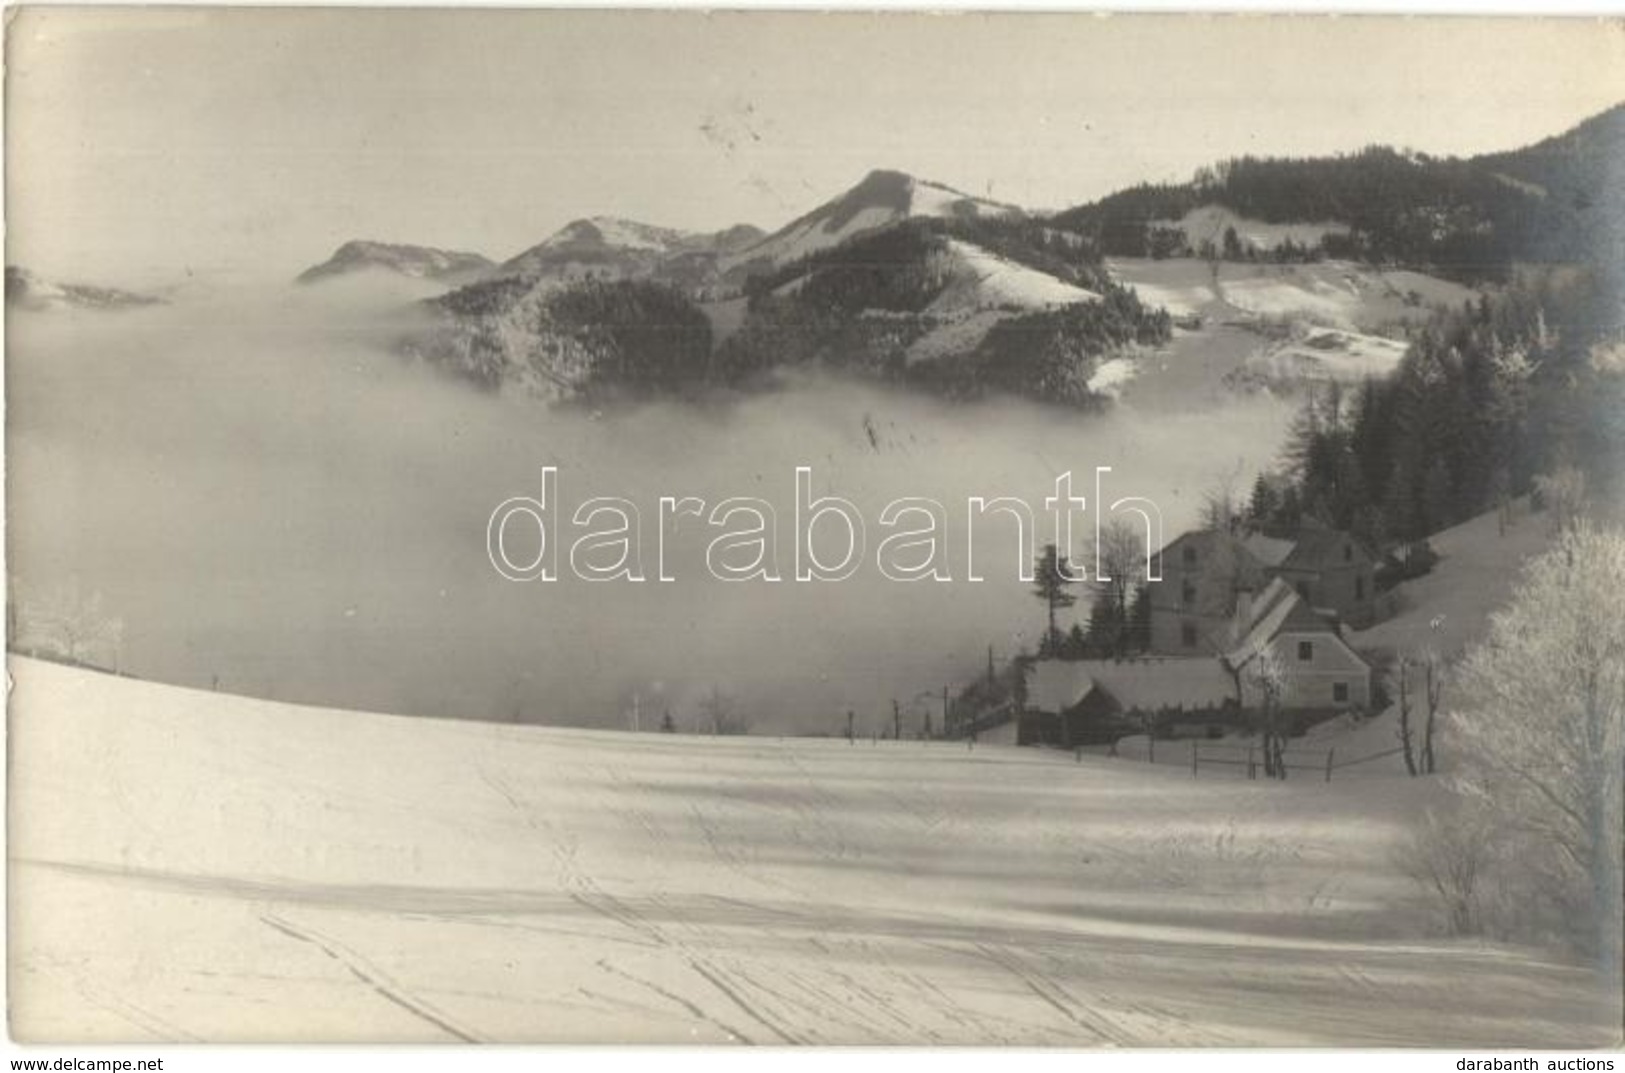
<point>1330,569</point>
<point>1081,702</point>
<point>1203,572</point>
<point>1320,671</point>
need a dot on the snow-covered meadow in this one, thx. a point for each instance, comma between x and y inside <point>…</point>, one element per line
<point>195,866</point>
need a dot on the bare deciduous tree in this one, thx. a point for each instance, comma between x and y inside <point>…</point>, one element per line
<point>1221,502</point>
<point>1268,675</point>
<point>1418,749</point>
<point>1407,739</point>
<point>719,714</point>
<point>1433,692</point>
<point>1121,558</point>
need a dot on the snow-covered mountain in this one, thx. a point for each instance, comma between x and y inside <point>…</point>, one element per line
<point>609,246</point>
<point>883,198</point>
<point>25,290</point>
<point>418,262</point>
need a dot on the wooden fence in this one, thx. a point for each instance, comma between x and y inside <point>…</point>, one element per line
<point>1251,757</point>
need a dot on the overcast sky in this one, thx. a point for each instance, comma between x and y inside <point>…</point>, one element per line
<point>145,143</point>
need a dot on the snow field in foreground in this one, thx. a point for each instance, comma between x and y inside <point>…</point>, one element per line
<point>187,865</point>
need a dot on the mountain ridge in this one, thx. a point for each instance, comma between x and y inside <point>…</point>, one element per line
<point>417,262</point>
<point>25,290</point>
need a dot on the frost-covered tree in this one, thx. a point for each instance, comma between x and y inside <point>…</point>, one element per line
<point>1564,492</point>
<point>1537,723</point>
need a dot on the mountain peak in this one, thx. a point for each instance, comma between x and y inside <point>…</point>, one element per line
<point>619,247</point>
<point>881,198</point>
<point>420,262</point>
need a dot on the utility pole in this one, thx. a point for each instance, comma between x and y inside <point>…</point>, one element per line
<point>851,733</point>
<point>896,721</point>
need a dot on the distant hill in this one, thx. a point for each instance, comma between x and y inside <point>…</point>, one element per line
<point>1578,179</point>
<point>418,262</point>
<point>1471,219</point>
<point>24,290</point>
<point>912,281</point>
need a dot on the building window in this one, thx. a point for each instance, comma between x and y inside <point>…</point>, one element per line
<point>1187,592</point>
<point>1306,651</point>
<point>1348,553</point>
<point>1359,587</point>
<point>1340,692</point>
<point>1189,554</point>
<point>1187,634</point>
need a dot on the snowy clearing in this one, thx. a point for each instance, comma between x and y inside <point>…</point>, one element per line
<point>1208,223</point>
<point>1322,355</point>
<point>1337,294</point>
<point>956,335</point>
<point>984,280</point>
<point>1112,375</point>
<point>190,865</point>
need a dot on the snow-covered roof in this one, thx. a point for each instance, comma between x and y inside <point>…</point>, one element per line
<point>1277,608</point>
<point>1271,551</point>
<point>1055,685</point>
<point>1269,610</point>
<point>1154,684</point>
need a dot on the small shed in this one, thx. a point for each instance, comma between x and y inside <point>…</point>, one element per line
<point>1088,702</point>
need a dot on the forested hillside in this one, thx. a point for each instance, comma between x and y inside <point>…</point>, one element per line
<point>1494,400</point>
<point>594,339</point>
<point>1471,219</point>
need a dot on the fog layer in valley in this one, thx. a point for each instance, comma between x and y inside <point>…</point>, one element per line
<point>270,499</point>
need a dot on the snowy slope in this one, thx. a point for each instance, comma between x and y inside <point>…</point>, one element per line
<point>881,199</point>
<point>187,865</point>
<point>1449,608</point>
<point>983,289</point>
<point>984,280</point>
